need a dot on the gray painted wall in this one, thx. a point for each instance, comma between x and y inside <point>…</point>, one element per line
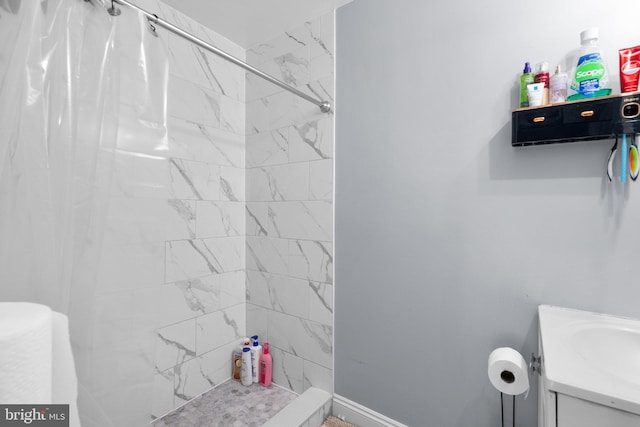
<point>447,238</point>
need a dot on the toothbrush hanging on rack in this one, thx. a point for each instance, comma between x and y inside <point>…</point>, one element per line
<point>623,159</point>
<point>633,157</point>
<point>612,156</point>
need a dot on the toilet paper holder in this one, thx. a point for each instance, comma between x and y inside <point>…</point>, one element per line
<point>535,364</point>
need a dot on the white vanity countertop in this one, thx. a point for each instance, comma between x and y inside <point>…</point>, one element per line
<point>592,356</point>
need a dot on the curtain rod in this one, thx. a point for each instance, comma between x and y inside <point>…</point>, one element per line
<point>325,106</point>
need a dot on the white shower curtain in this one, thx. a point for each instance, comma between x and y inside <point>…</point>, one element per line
<point>76,87</point>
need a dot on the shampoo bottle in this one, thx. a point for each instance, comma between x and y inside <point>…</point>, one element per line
<point>266,366</point>
<point>589,77</point>
<point>256,352</point>
<point>246,366</point>
<point>526,78</point>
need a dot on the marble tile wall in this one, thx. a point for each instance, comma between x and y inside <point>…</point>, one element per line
<point>199,292</point>
<point>234,230</point>
<point>289,205</point>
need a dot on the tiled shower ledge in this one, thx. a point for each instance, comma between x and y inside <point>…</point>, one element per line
<point>234,405</point>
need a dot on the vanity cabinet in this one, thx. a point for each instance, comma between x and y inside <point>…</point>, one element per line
<point>588,375</point>
<point>574,412</point>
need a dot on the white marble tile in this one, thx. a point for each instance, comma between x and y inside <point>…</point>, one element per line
<point>291,67</point>
<point>267,254</point>
<point>144,317</point>
<point>162,401</point>
<point>136,220</point>
<point>320,68</point>
<point>190,140</point>
<point>130,266</point>
<point>287,370</point>
<point>180,220</point>
<point>132,123</point>
<point>278,183</point>
<point>309,340</point>
<point>321,180</point>
<point>184,300</point>
<point>257,116</point>
<point>211,293</point>
<point>210,36</point>
<point>283,110</point>
<point>175,344</point>
<point>320,303</point>
<point>113,315</point>
<point>325,41</point>
<point>321,89</point>
<point>198,375</point>
<point>188,259</point>
<point>268,148</point>
<point>176,17</point>
<point>194,180</point>
<point>232,184</point>
<point>317,376</point>
<point>256,218</point>
<point>219,328</point>
<point>256,87</point>
<point>280,293</point>
<point>301,36</point>
<point>220,219</point>
<point>232,115</point>
<point>311,260</point>
<point>169,305</point>
<point>311,140</point>
<point>193,63</point>
<point>140,175</point>
<point>257,321</point>
<point>191,102</point>
<point>312,220</point>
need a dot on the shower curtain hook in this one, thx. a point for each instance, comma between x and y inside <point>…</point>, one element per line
<point>152,27</point>
<point>113,10</point>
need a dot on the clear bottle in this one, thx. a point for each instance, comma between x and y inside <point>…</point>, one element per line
<point>589,75</point>
<point>558,86</point>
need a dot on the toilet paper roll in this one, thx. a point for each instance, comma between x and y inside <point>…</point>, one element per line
<point>25,353</point>
<point>508,371</point>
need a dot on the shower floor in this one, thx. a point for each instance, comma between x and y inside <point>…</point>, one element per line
<point>230,405</point>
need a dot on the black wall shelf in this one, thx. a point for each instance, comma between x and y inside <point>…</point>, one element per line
<point>585,120</point>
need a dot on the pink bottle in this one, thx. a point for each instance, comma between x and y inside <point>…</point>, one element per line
<point>266,365</point>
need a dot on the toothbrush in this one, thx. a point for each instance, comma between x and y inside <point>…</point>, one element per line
<point>633,157</point>
<point>612,156</point>
<point>623,159</point>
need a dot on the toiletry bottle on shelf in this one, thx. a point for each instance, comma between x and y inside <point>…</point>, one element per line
<point>266,366</point>
<point>526,78</point>
<point>236,359</point>
<point>246,366</point>
<point>589,76</point>
<point>542,76</point>
<point>558,86</point>
<point>256,352</point>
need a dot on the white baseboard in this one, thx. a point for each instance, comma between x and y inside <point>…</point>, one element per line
<point>359,415</point>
